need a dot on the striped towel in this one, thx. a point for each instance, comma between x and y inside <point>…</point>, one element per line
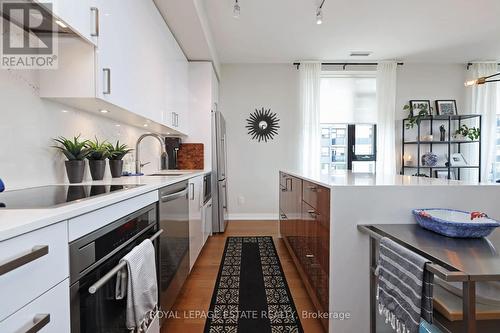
<point>405,287</point>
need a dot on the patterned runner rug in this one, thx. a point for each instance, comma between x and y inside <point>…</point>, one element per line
<point>251,293</point>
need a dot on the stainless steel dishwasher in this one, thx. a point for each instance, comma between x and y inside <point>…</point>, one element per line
<point>174,242</point>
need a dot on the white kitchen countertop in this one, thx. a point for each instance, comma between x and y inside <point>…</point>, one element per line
<point>349,179</point>
<point>14,222</point>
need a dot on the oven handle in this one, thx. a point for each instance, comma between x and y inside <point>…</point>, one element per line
<point>173,196</point>
<point>93,288</point>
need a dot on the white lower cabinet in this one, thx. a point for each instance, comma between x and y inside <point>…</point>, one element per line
<point>49,313</point>
<point>195,220</point>
<point>30,265</point>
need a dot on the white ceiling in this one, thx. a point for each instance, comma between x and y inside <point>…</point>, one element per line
<point>454,31</point>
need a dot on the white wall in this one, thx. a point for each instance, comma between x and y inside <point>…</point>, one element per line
<point>28,123</point>
<point>431,82</point>
<point>253,167</point>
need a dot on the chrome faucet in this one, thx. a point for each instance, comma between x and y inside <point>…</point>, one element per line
<point>164,155</point>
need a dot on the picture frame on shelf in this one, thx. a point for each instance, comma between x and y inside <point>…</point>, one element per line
<point>418,104</point>
<point>443,174</point>
<point>458,160</point>
<point>446,107</point>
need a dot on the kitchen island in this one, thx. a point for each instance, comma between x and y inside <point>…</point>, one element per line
<point>319,218</point>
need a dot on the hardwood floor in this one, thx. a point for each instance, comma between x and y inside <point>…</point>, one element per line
<point>197,291</point>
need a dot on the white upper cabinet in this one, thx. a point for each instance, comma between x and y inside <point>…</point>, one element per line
<point>80,16</point>
<point>137,71</point>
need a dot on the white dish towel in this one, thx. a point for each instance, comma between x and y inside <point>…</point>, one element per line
<point>138,281</point>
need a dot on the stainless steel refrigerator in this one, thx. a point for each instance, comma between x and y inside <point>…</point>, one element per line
<point>219,173</point>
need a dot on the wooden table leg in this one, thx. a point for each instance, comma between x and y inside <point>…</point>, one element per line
<point>469,306</point>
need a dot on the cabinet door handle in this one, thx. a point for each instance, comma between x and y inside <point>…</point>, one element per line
<point>107,81</point>
<point>283,216</point>
<point>313,213</point>
<point>23,259</point>
<point>192,191</point>
<point>309,256</point>
<point>39,322</point>
<point>313,188</point>
<point>95,12</point>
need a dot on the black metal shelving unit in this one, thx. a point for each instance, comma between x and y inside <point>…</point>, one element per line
<point>443,119</point>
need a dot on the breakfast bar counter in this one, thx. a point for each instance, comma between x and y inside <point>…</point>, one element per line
<point>320,216</point>
<point>467,261</point>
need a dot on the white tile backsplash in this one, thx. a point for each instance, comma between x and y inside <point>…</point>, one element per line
<point>28,124</point>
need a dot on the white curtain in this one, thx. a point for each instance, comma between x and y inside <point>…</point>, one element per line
<point>310,139</point>
<point>386,118</point>
<point>483,101</point>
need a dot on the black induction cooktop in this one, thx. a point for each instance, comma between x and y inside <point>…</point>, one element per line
<point>55,195</point>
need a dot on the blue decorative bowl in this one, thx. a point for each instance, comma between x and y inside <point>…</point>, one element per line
<point>455,223</point>
<point>429,159</point>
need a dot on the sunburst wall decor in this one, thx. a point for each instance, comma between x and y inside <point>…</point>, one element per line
<point>263,125</point>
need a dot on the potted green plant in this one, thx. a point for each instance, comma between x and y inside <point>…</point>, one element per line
<point>75,151</point>
<point>115,157</point>
<point>415,119</point>
<point>98,152</point>
<point>464,132</point>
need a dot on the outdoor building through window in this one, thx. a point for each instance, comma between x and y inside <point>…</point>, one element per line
<point>348,112</point>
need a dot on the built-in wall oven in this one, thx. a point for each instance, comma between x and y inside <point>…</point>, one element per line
<point>93,262</point>
<point>174,242</point>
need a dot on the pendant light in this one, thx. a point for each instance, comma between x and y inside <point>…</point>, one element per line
<point>482,80</point>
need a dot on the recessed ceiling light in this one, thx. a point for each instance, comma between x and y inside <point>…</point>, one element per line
<point>168,133</point>
<point>117,125</point>
<point>145,125</point>
<point>360,53</point>
<point>64,111</point>
<point>103,111</point>
<point>61,24</point>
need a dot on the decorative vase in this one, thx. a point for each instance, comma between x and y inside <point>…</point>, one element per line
<point>116,167</point>
<point>75,170</point>
<point>460,137</point>
<point>97,169</point>
<point>429,159</point>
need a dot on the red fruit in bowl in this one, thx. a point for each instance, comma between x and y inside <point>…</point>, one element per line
<point>477,215</point>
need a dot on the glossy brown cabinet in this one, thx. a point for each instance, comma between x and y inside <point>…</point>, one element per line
<point>305,227</point>
<point>290,209</point>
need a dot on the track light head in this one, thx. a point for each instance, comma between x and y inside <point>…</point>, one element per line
<point>319,12</point>
<point>319,16</point>
<point>236,9</point>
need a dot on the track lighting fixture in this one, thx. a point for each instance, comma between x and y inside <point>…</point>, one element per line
<point>319,13</point>
<point>236,9</point>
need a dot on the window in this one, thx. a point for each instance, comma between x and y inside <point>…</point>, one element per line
<point>348,117</point>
